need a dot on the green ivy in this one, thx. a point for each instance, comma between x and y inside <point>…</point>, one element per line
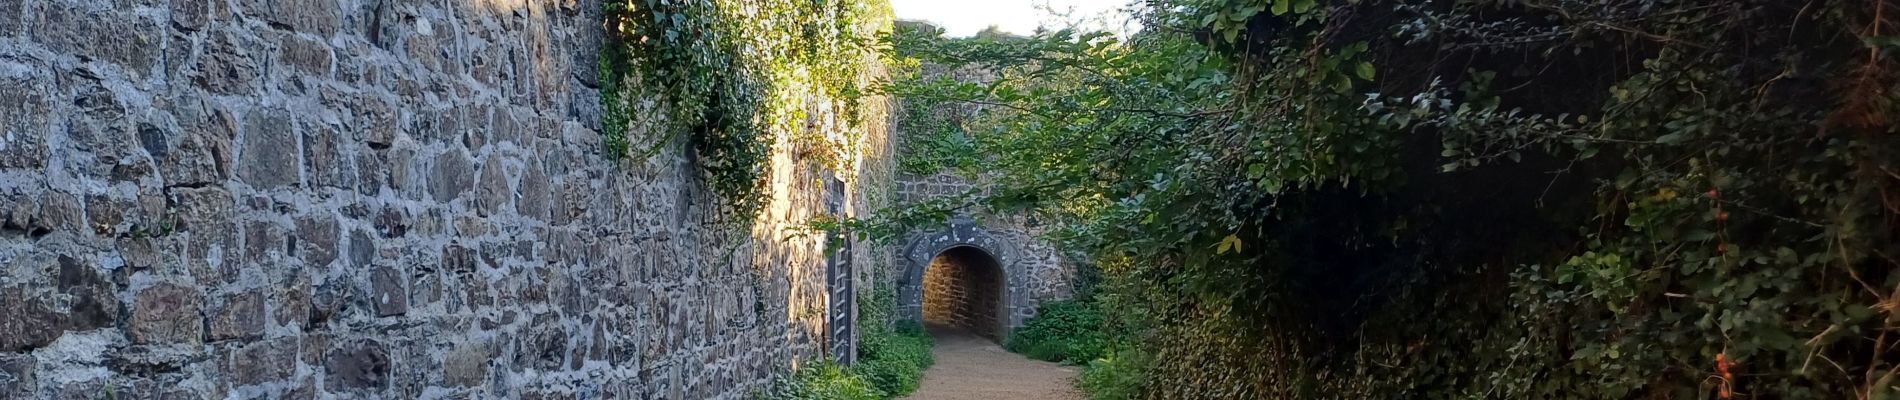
<point>732,77</point>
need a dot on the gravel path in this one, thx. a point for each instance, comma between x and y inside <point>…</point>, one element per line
<point>970,367</point>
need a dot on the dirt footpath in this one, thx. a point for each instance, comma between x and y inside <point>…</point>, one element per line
<point>970,367</point>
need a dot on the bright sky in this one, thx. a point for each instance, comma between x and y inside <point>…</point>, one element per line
<point>967,17</point>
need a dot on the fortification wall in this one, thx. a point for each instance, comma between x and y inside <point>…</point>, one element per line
<point>373,198</point>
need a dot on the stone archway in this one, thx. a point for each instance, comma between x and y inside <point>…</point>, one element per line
<point>964,289</point>
<point>978,265</point>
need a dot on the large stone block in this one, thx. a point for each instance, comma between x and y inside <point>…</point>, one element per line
<point>317,236</point>
<point>306,57</point>
<point>241,316</point>
<point>359,367</point>
<point>167,313</point>
<point>452,176</point>
<point>362,249</point>
<point>317,17</point>
<point>389,297</point>
<point>91,298</point>
<point>227,65</point>
<point>11,13</point>
<point>467,365</point>
<point>494,195</point>
<point>23,128</point>
<point>16,375</point>
<point>29,324</point>
<point>263,362</point>
<point>192,15</point>
<point>270,153</point>
<point>130,40</point>
<point>199,153</point>
<point>533,201</point>
<point>325,162</point>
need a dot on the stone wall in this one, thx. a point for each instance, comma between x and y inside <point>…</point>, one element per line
<point>964,289</point>
<point>372,198</point>
<point>1034,269</point>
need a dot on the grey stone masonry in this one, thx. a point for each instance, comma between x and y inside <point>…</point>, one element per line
<point>375,199</point>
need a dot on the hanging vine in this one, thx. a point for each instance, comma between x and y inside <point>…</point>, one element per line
<point>731,77</point>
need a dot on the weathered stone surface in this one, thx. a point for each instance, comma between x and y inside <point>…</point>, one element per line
<point>16,375</point>
<point>23,126</point>
<point>264,244</point>
<point>324,161</point>
<point>362,249</point>
<point>263,362</point>
<point>241,316</point>
<point>357,366</point>
<point>90,297</point>
<point>201,153</point>
<point>494,194</point>
<point>533,202</point>
<point>304,56</point>
<point>466,366</point>
<point>269,160</point>
<point>317,17</point>
<point>318,237</point>
<point>291,304</point>
<point>452,176</point>
<point>126,39</point>
<point>387,292</point>
<point>191,15</point>
<point>227,65</point>
<point>10,17</point>
<point>63,212</point>
<point>376,124</point>
<point>166,313</point>
<point>31,324</point>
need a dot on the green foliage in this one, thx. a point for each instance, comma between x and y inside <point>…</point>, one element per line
<point>1115,376</point>
<point>824,381</point>
<point>735,75</point>
<point>1068,331</point>
<point>1457,199</point>
<point>894,362</point>
<point>892,357</point>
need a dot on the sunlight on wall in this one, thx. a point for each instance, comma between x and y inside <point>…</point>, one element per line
<point>499,6</point>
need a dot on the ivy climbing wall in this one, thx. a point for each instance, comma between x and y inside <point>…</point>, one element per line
<point>381,199</point>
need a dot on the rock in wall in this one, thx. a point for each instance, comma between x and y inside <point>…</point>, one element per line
<point>371,198</point>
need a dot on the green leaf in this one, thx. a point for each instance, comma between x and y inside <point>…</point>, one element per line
<point>1365,70</point>
<point>1280,7</point>
<point>1229,243</point>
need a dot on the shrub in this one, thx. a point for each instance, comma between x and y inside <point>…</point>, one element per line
<point>1115,376</point>
<point>824,381</point>
<point>893,359</point>
<point>1067,331</point>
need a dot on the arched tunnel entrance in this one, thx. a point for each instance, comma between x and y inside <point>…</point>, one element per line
<point>964,288</point>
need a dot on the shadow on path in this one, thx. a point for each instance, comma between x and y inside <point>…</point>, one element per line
<point>972,367</point>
